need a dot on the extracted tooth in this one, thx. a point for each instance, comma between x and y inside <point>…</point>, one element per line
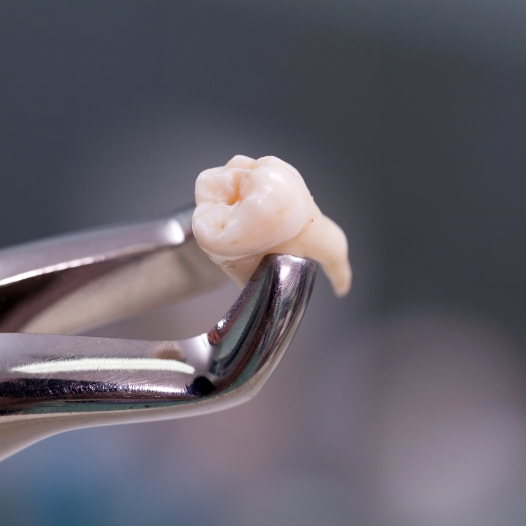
<point>249,208</point>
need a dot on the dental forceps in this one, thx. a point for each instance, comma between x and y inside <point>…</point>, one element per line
<point>53,381</point>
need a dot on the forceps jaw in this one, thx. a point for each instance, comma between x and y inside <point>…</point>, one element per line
<point>70,283</point>
<point>54,383</point>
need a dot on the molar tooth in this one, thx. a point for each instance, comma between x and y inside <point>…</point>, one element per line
<point>249,208</point>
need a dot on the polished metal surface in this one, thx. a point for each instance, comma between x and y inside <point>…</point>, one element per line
<point>51,383</point>
<point>74,282</point>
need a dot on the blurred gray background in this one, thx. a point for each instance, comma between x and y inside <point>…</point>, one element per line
<point>403,404</point>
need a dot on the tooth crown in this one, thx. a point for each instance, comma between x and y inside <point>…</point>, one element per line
<point>248,206</point>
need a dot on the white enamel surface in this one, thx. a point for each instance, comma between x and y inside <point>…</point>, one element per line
<point>249,208</point>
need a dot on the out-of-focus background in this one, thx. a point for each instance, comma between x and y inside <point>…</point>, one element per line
<point>403,404</point>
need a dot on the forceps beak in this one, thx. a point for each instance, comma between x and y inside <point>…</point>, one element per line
<point>51,383</point>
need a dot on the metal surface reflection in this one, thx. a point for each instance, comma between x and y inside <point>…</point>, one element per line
<point>51,383</point>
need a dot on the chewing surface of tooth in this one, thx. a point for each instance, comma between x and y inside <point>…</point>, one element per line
<point>249,208</point>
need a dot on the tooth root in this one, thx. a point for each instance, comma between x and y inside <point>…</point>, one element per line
<point>324,241</point>
<point>240,269</point>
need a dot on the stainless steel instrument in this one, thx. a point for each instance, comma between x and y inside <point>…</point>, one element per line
<point>51,381</point>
